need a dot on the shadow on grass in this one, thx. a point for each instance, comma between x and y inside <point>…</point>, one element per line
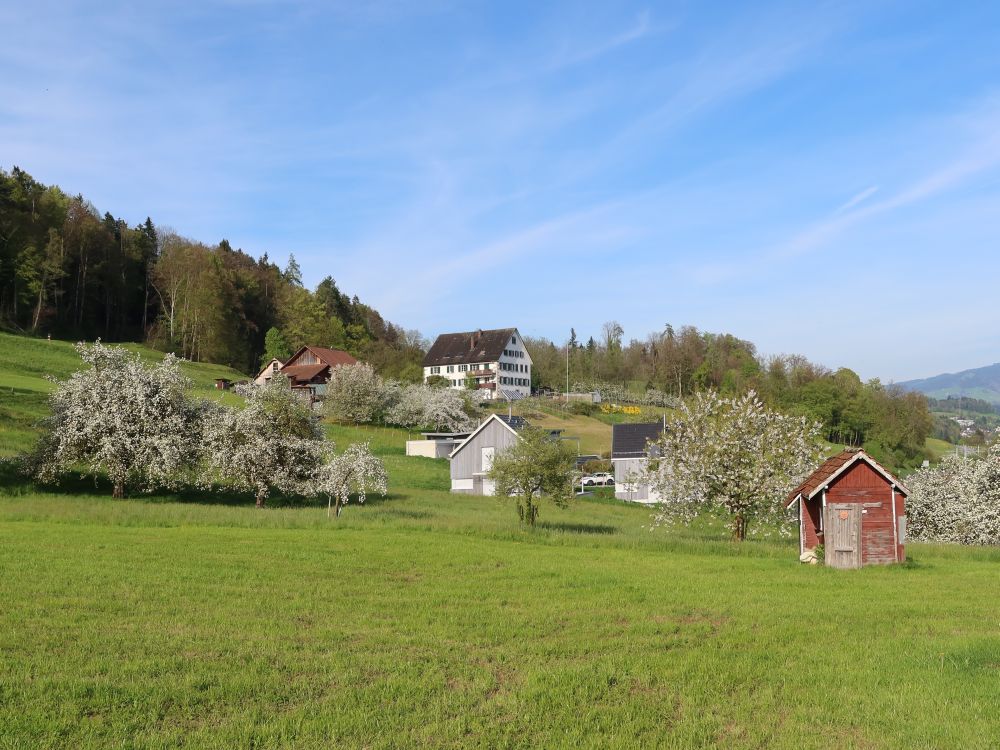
<point>13,481</point>
<point>578,528</point>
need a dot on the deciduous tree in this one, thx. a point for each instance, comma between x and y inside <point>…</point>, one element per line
<point>123,417</point>
<point>734,455</point>
<point>356,471</point>
<point>538,465</point>
<point>273,443</point>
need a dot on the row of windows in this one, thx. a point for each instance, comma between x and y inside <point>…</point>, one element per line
<point>515,381</point>
<point>517,353</point>
<point>513,367</point>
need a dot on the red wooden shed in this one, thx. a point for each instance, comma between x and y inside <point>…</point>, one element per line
<point>855,508</point>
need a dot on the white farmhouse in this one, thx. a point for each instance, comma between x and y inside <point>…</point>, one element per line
<point>494,361</point>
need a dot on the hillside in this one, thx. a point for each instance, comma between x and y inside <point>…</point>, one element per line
<point>980,382</point>
<point>25,362</point>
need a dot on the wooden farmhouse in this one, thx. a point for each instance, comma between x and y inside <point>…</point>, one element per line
<point>267,372</point>
<point>855,508</point>
<point>309,368</point>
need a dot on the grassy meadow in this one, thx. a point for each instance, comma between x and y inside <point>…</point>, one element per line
<point>429,619</point>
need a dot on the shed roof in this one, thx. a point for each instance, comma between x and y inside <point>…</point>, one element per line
<point>630,440</point>
<point>469,347</point>
<point>303,373</point>
<point>833,467</point>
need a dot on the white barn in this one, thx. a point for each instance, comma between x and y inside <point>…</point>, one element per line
<point>473,457</point>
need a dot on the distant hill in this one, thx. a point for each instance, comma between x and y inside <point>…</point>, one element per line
<point>981,382</point>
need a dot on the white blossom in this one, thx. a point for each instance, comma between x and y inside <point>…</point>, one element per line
<point>273,443</point>
<point>354,393</point>
<point>355,471</point>
<point>123,417</point>
<point>957,501</point>
<point>734,455</point>
<point>425,406</point>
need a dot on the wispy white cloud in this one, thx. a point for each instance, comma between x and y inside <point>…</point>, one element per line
<point>855,200</point>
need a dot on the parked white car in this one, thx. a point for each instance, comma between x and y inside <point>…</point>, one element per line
<point>601,479</point>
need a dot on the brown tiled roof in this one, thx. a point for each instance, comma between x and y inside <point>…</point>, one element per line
<point>303,373</point>
<point>332,357</point>
<point>469,347</point>
<point>832,465</point>
<point>823,473</point>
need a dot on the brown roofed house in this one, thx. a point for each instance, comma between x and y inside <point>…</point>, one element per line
<point>309,368</point>
<point>494,361</point>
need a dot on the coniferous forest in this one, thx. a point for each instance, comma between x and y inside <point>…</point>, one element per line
<point>69,271</point>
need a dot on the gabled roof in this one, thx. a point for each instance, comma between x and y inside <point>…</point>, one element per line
<point>630,440</point>
<point>516,422</point>
<point>491,418</point>
<point>268,367</point>
<point>469,347</point>
<point>832,468</point>
<point>331,357</point>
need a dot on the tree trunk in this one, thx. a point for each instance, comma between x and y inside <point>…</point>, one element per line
<point>739,527</point>
<point>119,491</point>
<point>261,497</point>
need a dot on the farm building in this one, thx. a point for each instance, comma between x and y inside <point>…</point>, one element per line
<point>855,508</point>
<point>630,452</point>
<point>496,362</point>
<point>309,368</point>
<point>473,457</point>
<point>267,372</point>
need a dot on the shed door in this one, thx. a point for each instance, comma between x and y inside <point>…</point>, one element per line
<point>842,527</point>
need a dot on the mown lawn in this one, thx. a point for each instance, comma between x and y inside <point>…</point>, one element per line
<point>426,619</point>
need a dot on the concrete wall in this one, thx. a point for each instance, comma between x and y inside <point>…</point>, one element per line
<point>430,448</point>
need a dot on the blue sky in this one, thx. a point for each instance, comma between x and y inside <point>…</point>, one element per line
<point>820,178</point>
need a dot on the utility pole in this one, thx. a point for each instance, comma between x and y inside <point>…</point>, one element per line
<point>566,404</point>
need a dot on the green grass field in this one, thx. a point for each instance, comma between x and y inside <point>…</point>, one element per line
<point>25,363</point>
<point>430,619</point>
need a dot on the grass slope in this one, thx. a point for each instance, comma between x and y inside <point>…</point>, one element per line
<point>24,363</point>
<point>427,619</point>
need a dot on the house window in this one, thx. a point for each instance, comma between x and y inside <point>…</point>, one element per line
<point>513,339</point>
<point>451,368</point>
<point>463,368</point>
<point>435,371</point>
